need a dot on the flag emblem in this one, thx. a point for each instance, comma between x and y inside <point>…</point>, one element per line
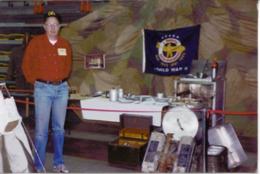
<point>170,52</point>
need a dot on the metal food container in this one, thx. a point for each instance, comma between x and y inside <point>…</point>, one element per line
<point>217,159</point>
<point>225,135</point>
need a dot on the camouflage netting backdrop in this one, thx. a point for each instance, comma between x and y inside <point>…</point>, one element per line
<point>228,32</point>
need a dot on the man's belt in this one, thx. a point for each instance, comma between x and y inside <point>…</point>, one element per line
<point>58,82</point>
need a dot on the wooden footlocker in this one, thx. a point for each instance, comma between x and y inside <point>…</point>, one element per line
<point>129,148</point>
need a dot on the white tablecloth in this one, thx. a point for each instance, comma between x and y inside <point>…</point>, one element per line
<point>100,108</point>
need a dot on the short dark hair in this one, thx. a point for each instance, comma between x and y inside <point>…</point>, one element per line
<point>52,13</point>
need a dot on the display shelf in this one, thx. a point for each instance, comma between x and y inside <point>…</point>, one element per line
<point>3,69</point>
<point>4,63</point>
<point>11,42</point>
<point>20,24</point>
<point>9,83</point>
<point>4,58</point>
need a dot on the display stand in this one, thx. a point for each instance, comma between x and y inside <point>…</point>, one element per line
<point>212,92</point>
<point>215,91</point>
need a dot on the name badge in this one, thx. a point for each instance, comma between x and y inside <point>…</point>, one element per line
<point>62,52</point>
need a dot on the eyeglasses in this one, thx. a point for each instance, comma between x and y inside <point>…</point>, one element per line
<point>52,25</point>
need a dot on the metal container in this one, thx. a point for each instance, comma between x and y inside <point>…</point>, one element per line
<point>120,93</point>
<point>225,135</point>
<point>113,95</point>
<point>217,159</point>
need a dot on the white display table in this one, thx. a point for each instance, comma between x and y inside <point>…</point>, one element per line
<point>100,108</point>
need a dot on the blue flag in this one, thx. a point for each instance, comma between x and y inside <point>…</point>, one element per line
<point>170,52</point>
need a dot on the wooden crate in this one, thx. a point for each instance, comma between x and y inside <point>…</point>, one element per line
<point>129,148</point>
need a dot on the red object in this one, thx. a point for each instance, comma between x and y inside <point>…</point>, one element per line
<point>38,8</point>
<point>214,67</point>
<point>85,6</point>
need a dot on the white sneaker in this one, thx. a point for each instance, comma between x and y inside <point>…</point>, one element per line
<point>40,171</point>
<point>60,168</point>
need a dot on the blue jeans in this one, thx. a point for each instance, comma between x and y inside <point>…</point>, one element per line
<point>50,100</point>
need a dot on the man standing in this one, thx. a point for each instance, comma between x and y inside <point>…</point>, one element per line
<point>47,65</point>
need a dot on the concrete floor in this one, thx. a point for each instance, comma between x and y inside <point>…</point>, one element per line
<point>82,165</point>
<point>74,164</point>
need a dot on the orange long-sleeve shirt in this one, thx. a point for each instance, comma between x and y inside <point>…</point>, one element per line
<point>45,61</point>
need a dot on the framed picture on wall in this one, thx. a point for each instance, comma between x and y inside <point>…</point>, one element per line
<point>94,61</point>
